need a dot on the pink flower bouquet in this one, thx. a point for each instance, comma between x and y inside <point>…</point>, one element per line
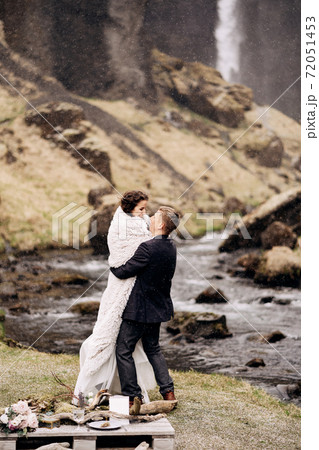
<point>18,418</point>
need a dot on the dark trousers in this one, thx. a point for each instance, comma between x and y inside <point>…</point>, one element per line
<point>129,334</point>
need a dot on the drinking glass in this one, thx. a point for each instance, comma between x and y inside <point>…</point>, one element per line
<point>78,416</point>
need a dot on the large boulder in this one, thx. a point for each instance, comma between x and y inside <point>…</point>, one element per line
<point>284,207</point>
<point>279,266</point>
<point>250,262</point>
<point>71,128</point>
<point>59,114</point>
<point>273,154</point>
<point>261,144</point>
<point>93,157</point>
<point>202,89</point>
<point>196,325</point>
<point>276,234</point>
<point>216,104</point>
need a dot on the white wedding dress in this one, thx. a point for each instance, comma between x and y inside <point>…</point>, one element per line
<point>98,368</point>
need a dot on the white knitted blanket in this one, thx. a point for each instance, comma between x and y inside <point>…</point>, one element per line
<point>125,234</point>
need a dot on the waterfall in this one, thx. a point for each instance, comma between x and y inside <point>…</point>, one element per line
<point>228,39</point>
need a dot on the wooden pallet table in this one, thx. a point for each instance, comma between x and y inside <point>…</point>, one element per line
<point>160,435</point>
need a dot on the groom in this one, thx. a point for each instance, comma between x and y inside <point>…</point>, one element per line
<point>148,305</point>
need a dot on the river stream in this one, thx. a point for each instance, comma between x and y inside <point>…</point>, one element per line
<point>49,326</point>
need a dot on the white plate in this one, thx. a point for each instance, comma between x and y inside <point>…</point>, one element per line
<point>98,425</point>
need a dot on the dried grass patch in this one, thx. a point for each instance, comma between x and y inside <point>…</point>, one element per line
<point>214,411</point>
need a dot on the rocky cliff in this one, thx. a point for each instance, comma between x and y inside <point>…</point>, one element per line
<point>102,47</point>
<point>269,33</point>
<point>92,47</point>
<point>206,147</point>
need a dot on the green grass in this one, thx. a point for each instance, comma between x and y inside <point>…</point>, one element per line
<point>252,202</point>
<point>14,110</point>
<point>214,411</point>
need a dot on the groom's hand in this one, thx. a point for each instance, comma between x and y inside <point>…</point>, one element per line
<point>135,265</point>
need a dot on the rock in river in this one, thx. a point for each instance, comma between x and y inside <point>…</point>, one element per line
<point>250,262</point>
<point>18,308</point>
<point>256,362</point>
<point>196,325</point>
<point>272,337</point>
<point>69,278</point>
<point>85,307</point>
<point>275,336</point>
<point>211,295</point>
<point>284,207</point>
<point>279,266</point>
<point>278,234</point>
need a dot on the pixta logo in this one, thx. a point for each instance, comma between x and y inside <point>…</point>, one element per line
<point>235,225</point>
<point>67,222</point>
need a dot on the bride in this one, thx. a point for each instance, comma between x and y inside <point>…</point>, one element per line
<point>98,369</point>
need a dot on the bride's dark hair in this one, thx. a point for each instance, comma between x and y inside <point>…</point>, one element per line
<point>130,199</point>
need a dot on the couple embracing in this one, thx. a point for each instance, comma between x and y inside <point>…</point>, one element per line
<point>123,354</point>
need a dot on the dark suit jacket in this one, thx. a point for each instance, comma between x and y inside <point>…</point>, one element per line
<point>154,264</point>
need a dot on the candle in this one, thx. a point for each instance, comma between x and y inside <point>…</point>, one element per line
<point>49,422</point>
<point>120,404</point>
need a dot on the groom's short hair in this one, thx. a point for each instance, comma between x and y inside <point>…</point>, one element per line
<point>170,218</point>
